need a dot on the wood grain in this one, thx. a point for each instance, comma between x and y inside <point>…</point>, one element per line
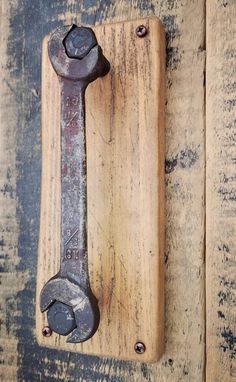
<point>220,191</point>
<point>183,359</point>
<point>125,155</point>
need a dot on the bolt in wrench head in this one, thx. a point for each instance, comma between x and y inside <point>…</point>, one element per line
<point>87,69</point>
<point>79,41</point>
<point>61,318</point>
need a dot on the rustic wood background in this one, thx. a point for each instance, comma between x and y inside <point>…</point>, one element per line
<point>221,191</point>
<point>23,25</point>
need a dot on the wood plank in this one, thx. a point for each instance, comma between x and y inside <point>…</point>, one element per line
<point>10,284</point>
<point>183,359</point>
<point>220,191</point>
<point>125,155</point>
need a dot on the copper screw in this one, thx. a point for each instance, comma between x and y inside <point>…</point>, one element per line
<point>141,31</point>
<point>139,348</point>
<point>46,331</point>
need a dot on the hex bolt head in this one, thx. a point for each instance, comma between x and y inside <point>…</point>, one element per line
<point>46,331</point>
<point>61,318</point>
<point>141,31</point>
<point>139,347</point>
<point>79,41</point>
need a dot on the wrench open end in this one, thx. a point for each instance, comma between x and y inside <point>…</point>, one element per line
<point>60,289</point>
<point>85,308</point>
<point>93,65</point>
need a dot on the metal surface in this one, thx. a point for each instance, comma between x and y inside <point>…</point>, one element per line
<point>61,318</point>
<point>68,296</point>
<point>79,42</point>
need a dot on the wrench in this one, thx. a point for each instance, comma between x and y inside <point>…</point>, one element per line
<point>71,306</point>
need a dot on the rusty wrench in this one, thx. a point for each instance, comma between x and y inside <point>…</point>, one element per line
<point>72,308</point>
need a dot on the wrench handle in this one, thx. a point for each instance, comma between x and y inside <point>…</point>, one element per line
<point>74,254</point>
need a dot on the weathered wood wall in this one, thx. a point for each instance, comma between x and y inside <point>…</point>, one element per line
<point>221,190</point>
<point>23,26</point>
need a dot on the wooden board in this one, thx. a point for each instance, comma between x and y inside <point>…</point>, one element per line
<point>125,156</point>
<point>221,191</point>
<point>21,358</point>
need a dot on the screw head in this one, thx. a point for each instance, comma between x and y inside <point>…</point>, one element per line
<point>46,331</point>
<point>79,41</point>
<point>141,31</point>
<point>139,347</point>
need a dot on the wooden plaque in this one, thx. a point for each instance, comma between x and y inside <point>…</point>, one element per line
<point>125,164</point>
